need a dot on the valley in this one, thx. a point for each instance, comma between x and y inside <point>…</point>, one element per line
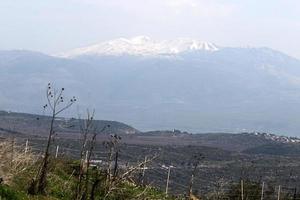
<point>227,157</point>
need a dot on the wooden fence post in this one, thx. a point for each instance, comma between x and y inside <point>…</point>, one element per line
<point>168,178</point>
<point>279,190</point>
<point>56,153</point>
<point>262,191</point>
<point>242,189</point>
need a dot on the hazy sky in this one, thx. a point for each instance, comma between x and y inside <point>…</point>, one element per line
<point>53,26</point>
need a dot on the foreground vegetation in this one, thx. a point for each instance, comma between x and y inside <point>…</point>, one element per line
<point>62,180</point>
<point>25,175</point>
<point>19,167</point>
<point>28,176</point>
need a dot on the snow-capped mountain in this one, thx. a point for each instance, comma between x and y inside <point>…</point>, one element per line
<point>142,45</point>
<point>205,88</point>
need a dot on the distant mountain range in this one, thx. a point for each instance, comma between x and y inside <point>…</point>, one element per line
<point>181,84</point>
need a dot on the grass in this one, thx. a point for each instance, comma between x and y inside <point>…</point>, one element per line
<point>18,174</point>
<point>7,193</point>
<point>62,181</point>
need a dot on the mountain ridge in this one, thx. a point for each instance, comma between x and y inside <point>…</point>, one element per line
<point>229,90</point>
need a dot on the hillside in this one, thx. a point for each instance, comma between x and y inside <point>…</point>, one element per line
<point>31,124</point>
<point>251,156</point>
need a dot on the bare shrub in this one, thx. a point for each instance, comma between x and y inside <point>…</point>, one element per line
<point>14,159</point>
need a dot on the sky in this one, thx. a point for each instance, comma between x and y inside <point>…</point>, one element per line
<point>54,26</point>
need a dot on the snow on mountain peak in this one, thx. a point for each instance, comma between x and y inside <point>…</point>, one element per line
<point>140,40</point>
<point>142,45</point>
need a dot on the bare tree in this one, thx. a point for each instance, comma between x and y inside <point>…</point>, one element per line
<point>89,134</point>
<point>85,129</point>
<point>57,104</point>
<point>113,150</point>
<point>88,161</point>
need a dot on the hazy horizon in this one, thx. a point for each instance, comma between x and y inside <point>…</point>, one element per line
<point>60,25</point>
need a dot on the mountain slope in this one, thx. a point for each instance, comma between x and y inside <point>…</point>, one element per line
<point>225,90</point>
<point>29,124</point>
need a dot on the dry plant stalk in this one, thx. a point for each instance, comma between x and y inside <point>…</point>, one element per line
<point>14,160</point>
<point>85,129</point>
<point>89,134</point>
<point>114,183</point>
<point>57,105</point>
